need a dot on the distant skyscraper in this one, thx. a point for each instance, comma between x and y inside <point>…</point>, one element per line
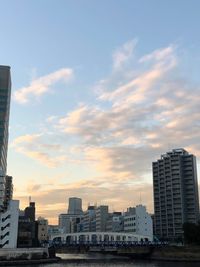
<point>5,92</point>
<point>176,199</point>
<point>75,206</point>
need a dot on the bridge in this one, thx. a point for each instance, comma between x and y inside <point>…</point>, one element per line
<point>95,238</point>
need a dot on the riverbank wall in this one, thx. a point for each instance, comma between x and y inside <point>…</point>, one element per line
<point>165,253</point>
<point>173,253</point>
<point>7,254</point>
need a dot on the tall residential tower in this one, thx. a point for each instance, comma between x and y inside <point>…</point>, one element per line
<point>5,91</point>
<point>176,199</point>
<point>9,209</point>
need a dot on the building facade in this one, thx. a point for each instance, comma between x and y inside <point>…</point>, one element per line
<point>9,225</point>
<point>115,222</point>
<point>27,228</point>
<point>89,219</point>
<point>8,191</point>
<point>101,218</point>
<point>75,206</point>
<point>9,208</point>
<point>138,221</point>
<point>42,230</point>
<point>5,92</point>
<point>176,198</point>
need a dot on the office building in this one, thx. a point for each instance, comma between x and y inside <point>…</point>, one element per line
<point>101,218</point>
<point>138,221</point>
<point>66,222</point>
<point>89,219</point>
<point>75,206</point>
<point>115,222</point>
<point>176,199</point>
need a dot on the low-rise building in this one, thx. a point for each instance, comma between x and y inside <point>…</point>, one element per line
<point>137,220</point>
<point>9,225</point>
<point>42,230</point>
<point>115,222</point>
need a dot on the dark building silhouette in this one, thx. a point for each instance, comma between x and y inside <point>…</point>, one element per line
<point>28,228</point>
<point>8,191</point>
<point>30,211</point>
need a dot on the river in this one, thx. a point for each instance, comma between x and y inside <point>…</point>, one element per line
<point>107,261</point>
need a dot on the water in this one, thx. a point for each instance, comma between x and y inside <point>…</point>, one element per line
<point>107,262</point>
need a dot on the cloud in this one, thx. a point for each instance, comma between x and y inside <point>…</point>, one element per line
<point>123,54</point>
<point>42,85</point>
<point>129,125</point>
<point>149,113</point>
<point>34,146</point>
<point>159,54</point>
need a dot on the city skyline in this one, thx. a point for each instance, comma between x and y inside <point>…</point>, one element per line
<point>99,91</point>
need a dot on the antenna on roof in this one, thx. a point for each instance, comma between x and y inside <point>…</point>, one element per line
<point>29,199</point>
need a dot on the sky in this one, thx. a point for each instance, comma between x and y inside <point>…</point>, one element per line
<point>100,89</point>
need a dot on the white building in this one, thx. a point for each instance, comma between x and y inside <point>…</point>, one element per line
<point>9,225</point>
<point>138,221</point>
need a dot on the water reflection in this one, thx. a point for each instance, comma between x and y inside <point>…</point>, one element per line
<point>74,260</point>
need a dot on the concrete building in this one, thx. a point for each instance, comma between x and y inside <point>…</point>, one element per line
<point>115,222</point>
<point>9,225</point>
<point>54,230</point>
<point>138,221</point>
<point>176,199</point>
<point>89,219</point>
<point>75,206</point>
<point>67,222</point>
<point>101,218</point>
<point>42,230</point>
<point>71,222</point>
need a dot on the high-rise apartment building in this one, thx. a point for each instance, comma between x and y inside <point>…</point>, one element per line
<point>5,92</point>
<point>176,199</point>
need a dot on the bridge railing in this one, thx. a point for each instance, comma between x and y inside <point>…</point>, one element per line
<point>107,243</point>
